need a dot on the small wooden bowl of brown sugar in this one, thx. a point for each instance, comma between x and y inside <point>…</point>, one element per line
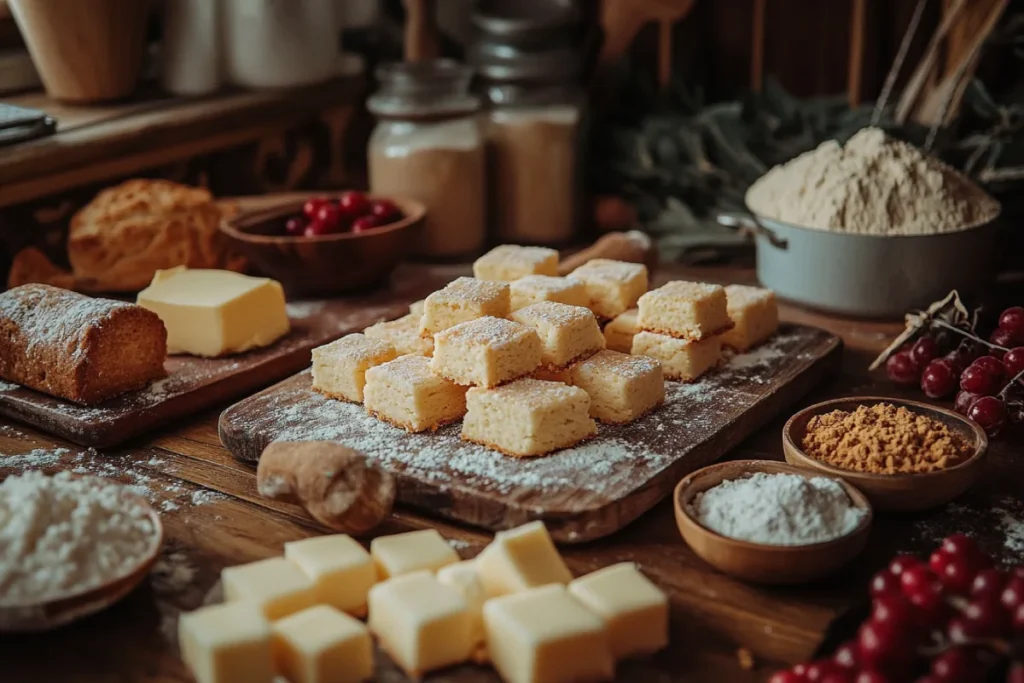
<point>904,455</point>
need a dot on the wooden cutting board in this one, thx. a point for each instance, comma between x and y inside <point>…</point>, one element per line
<point>581,493</point>
<point>195,383</point>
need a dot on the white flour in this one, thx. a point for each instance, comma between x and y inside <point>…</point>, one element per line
<point>875,185</point>
<point>777,509</point>
<point>61,535</point>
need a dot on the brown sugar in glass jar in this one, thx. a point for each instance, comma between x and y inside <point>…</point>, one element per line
<point>428,145</point>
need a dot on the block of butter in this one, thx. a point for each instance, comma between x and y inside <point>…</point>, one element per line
<point>216,312</point>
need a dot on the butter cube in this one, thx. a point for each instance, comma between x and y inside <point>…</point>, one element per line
<point>520,559</point>
<point>216,312</point>
<point>322,645</point>
<point>634,610</point>
<point>340,568</point>
<point>410,552</point>
<point>464,578</point>
<point>227,643</point>
<point>545,635</point>
<point>276,586</point>
<point>421,623</point>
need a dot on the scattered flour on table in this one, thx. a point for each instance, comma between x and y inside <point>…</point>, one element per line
<point>173,572</point>
<point>7,386</point>
<point>205,497</point>
<point>304,309</point>
<point>874,185</point>
<point>778,509</point>
<point>997,524</point>
<point>39,457</point>
<point>61,534</point>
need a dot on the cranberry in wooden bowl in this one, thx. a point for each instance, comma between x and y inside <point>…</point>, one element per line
<point>329,244</point>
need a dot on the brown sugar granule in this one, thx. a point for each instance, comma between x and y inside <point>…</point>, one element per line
<point>882,439</point>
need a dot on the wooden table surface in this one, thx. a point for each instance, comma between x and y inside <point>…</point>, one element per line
<point>213,517</point>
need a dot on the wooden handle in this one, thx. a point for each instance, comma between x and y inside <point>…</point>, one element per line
<point>633,246</point>
<point>421,41</point>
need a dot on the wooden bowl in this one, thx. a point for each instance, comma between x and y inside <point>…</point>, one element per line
<point>895,491</point>
<point>755,562</point>
<point>64,609</point>
<point>325,264</point>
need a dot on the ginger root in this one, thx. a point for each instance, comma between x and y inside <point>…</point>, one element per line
<point>340,487</point>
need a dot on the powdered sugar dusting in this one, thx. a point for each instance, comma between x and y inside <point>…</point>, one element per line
<point>616,462</point>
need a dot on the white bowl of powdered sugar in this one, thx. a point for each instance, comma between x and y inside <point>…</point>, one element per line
<point>70,546</point>
<point>871,228</point>
<point>769,522</point>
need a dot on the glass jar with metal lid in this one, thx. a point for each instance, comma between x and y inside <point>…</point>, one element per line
<point>528,69</point>
<point>428,145</point>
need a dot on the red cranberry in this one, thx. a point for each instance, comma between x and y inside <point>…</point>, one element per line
<point>989,412</point>
<point>958,574</point>
<point>1013,362</point>
<point>924,351</point>
<point>1013,595</point>
<point>957,664</point>
<point>295,226</point>
<point>893,609</point>
<point>315,229</point>
<point>884,583</point>
<point>786,677</point>
<point>961,544</point>
<point>964,401</point>
<point>979,379</point>
<point>1004,339</point>
<point>330,217</point>
<point>871,676</point>
<point>901,369</point>
<point>1012,320</point>
<point>938,379</point>
<point>365,223</point>
<point>901,563</point>
<point>917,580</point>
<point>989,582</point>
<point>1018,619</point>
<point>932,607</point>
<point>385,211</point>
<point>882,644</point>
<point>353,204</point>
<point>847,655</point>
<point>313,205</point>
<point>816,671</point>
<point>987,616</point>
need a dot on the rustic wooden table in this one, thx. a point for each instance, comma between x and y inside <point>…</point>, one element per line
<point>214,517</point>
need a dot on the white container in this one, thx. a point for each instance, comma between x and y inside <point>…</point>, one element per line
<point>280,43</point>
<point>191,49</point>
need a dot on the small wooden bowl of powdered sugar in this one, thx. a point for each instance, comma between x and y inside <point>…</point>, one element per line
<point>771,523</point>
<point>70,546</point>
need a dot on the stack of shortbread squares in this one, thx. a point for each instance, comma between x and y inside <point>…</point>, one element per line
<point>518,353</point>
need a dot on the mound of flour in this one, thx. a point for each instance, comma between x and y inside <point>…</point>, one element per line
<point>874,185</point>
<point>64,534</point>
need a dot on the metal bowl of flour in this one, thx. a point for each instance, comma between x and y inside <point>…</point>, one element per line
<point>868,276</point>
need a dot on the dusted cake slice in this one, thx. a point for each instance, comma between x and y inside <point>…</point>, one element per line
<point>485,352</point>
<point>680,359</point>
<point>407,394</point>
<point>528,417</point>
<point>754,313</point>
<point>686,310</point>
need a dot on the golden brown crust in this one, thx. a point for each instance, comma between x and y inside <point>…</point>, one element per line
<point>336,396</point>
<point>128,232</point>
<point>75,347</point>
<point>633,419</point>
<point>408,427</point>
<point>676,335</point>
<point>495,447</point>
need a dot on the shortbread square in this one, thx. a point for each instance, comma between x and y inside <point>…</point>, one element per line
<point>533,289</point>
<point>619,333</point>
<point>323,645</point>
<point>510,262</point>
<point>339,368</point>
<point>520,559</point>
<point>227,643</point>
<point>486,352</point>
<point>686,310</point>
<point>613,287</point>
<point>340,568</point>
<point>403,335</point>
<point>528,417</point>
<point>567,333</point>
<point>634,610</point>
<point>755,316</point>
<point>680,359</point>
<point>411,552</point>
<point>407,394</point>
<point>464,299</point>
<point>621,387</point>
<point>421,623</point>
<point>546,636</point>
<point>275,585</point>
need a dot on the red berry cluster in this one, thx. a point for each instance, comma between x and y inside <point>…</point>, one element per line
<point>983,374</point>
<point>946,621</point>
<point>352,212</point>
